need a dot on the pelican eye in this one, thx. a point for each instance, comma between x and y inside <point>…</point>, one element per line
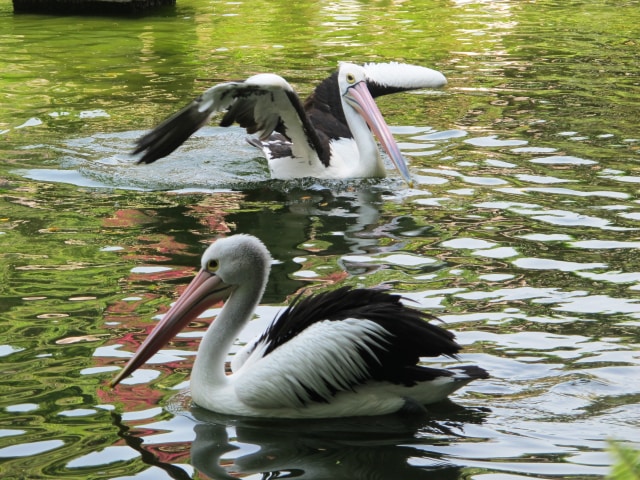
<point>351,78</point>
<point>212,265</point>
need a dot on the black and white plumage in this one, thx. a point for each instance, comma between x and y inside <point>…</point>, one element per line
<point>348,352</point>
<point>327,136</point>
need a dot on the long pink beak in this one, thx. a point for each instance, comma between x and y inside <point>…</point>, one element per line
<point>205,290</point>
<point>358,97</point>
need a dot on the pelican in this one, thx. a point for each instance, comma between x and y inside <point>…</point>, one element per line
<point>348,352</point>
<point>327,136</point>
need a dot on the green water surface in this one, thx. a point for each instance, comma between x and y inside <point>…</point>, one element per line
<point>522,233</point>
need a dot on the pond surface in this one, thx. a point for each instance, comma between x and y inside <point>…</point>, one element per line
<point>521,233</point>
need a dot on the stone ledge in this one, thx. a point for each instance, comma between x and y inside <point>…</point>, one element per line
<point>98,7</point>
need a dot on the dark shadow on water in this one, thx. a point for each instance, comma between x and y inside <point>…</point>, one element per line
<point>136,443</point>
<point>385,447</point>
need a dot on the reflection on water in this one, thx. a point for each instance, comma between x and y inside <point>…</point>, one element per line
<point>381,447</point>
<point>437,445</point>
<point>521,233</point>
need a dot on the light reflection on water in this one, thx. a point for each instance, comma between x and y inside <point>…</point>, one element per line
<point>521,233</point>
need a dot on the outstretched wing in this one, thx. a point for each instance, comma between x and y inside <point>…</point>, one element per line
<point>347,338</point>
<point>262,104</point>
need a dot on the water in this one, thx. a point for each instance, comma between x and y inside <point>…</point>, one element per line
<point>521,233</point>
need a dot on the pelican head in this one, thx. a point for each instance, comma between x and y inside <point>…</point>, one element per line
<point>355,82</point>
<point>234,259</point>
<point>237,265</point>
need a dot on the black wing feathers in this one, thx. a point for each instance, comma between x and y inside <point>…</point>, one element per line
<point>377,89</point>
<point>171,133</point>
<point>242,109</point>
<point>243,112</point>
<point>410,335</point>
<point>244,104</point>
<point>324,109</point>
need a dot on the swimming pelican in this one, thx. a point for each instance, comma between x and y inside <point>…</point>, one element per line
<point>327,136</point>
<point>348,352</point>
